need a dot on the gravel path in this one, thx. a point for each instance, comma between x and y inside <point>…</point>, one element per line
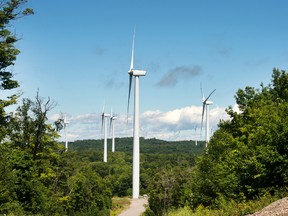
<point>278,208</point>
<point>136,207</point>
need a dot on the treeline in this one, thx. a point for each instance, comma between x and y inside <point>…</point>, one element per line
<point>148,146</point>
<point>166,155</point>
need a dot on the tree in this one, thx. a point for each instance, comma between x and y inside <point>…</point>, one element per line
<point>9,11</point>
<point>29,129</point>
<point>89,193</point>
<point>8,197</point>
<point>169,189</point>
<point>35,155</point>
<point>248,156</point>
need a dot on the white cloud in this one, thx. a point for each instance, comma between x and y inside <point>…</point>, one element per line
<point>177,124</point>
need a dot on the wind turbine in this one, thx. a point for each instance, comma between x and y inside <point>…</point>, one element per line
<point>104,123</point>
<point>206,104</point>
<point>112,119</point>
<point>65,122</point>
<point>136,143</point>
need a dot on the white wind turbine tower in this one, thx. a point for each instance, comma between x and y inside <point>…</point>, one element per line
<point>65,122</point>
<point>112,119</point>
<point>206,104</point>
<point>104,123</point>
<point>136,143</point>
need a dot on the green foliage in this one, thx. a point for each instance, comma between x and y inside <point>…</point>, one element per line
<point>119,166</point>
<point>181,212</point>
<point>118,205</point>
<point>168,189</point>
<point>148,146</point>
<point>8,200</point>
<point>88,193</point>
<point>38,177</point>
<point>148,212</point>
<point>247,156</point>
<point>227,208</point>
<point>9,11</point>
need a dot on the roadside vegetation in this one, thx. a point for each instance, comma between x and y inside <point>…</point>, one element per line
<point>118,205</point>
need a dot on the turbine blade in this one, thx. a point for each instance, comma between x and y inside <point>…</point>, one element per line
<point>131,73</point>
<point>102,121</point>
<point>111,122</point>
<point>111,119</point>
<point>203,111</point>
<point>203,98</point>
<point>132,57</point>
<point>103,112</point>
<point>129,93</point>
<point>210,94</point>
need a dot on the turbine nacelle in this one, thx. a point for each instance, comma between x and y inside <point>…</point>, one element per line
<point>112,118</point>
<point>208,102</point>
<point>106,115</point>
<point>137,72</point>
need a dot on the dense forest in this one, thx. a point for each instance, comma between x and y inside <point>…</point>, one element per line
<point>148,146</point>
<point>246,159</point>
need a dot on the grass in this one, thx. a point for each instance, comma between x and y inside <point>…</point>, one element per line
<point>228,208</point>
<point>118,205</point>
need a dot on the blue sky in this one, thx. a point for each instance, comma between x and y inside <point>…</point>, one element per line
<point>78,53</point>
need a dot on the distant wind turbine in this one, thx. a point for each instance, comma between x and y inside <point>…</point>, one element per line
<point>65,122</point>
<point>104,123</point>
<point>60,124</point>
<point>112,119</point>
<point>206,103</point>
<point>136,143</point>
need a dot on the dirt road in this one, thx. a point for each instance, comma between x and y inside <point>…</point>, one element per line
<point>278,208</point>
<point>136,207</point>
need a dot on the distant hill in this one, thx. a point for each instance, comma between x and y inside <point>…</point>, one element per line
<point>147,146</point>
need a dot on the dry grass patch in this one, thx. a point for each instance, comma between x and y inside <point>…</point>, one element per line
<point>119,204</point>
